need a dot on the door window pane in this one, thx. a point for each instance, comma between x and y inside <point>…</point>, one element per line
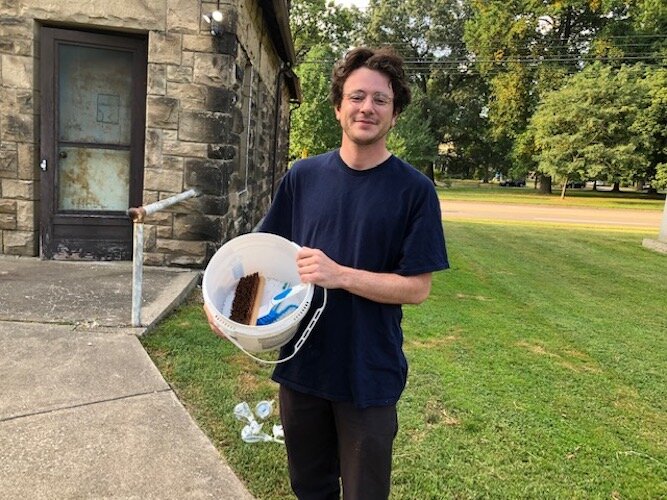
<point>94,95</point>
<point>93,179</point>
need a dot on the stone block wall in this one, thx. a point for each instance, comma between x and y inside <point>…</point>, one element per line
<point>210,119</point>
<point>19,188</point>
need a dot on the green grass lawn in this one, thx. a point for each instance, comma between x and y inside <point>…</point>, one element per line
<point>538,369</point>
<point>490,192</point>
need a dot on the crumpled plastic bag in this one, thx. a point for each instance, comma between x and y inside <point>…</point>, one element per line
<point>253,432</point>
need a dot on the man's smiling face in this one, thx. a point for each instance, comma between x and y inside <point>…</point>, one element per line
<point>366,113</point>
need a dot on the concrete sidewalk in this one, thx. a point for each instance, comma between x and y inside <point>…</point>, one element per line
<point>84,413</point>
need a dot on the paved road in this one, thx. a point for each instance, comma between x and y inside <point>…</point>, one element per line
<point>604,217</point>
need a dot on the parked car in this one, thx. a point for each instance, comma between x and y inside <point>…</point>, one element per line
<point>512,182</point>
<point>576,184</point>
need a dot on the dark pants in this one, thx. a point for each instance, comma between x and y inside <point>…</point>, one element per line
<point>332,442</point>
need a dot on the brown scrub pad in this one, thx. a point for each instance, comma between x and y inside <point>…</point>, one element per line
<point>247,298</point>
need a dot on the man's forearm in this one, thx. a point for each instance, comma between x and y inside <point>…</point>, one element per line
<point>386,288</point>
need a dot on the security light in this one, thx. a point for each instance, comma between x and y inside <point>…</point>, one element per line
<point>215,20</point>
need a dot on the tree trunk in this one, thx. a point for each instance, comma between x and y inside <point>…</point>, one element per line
<point>562,192</point>
<point>616,188</point>
<point>545,184</point>
<point>429,172</point>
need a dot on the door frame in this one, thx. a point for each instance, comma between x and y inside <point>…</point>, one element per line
<point>95,235</point>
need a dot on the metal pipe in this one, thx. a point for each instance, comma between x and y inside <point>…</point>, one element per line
<point>137,214</point>
<point>137,271</point>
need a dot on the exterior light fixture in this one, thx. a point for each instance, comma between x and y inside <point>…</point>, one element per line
<point>215,20</point>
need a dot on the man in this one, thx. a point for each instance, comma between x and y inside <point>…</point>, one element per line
<point>370,229</point>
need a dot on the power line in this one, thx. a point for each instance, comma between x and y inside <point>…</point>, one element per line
<point>468,68</point>
<point>634,49</point>
<point>514,60</point>
<point>546,42</point>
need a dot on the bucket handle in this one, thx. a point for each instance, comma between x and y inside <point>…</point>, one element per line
<point>299,343</point>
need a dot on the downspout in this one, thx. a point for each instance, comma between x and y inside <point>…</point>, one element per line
<point>276,124</point>
<point>294,105</point>
<point>284,69</point>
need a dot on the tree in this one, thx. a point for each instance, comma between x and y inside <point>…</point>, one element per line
<point>524,154</point>
<point>651,127</point>
<point>418,30</point>
<point>412,139</point>
<point>314,127</point>
<point>639,35</point>
<point>323,22</point>
<point>429,36</point>
<point>322,31</point>
<point>584,129</point>
<point>524,48</point>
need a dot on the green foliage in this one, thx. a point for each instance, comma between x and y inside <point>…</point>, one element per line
<point>510,92</point>
<point>640,34</point>
<point>322,31</point>
<point>603,124</point>
<point>459,109</point>
<point>496,33</point>
<point>396,145</point>
<point>420,31</point>
<point>505,37</point>
<point>412,139</point>
<point>428,35</point>
<point>314,127</point>
<point>650,18</point>
<point>483,67</point>
<point>523,153</point>
<point>323,22</point>
<point>651,126</point>
<point>661,175</point>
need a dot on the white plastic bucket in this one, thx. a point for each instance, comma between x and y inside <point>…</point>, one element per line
<point>274,258</point>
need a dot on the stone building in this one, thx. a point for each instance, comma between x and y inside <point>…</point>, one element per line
<point>112,104</point>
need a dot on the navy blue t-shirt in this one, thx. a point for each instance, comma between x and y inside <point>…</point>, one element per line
<point>386,219</point>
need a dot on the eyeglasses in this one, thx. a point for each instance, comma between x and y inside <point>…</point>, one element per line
<point>379,99</point>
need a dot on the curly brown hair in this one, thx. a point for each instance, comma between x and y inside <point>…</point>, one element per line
<point>385,60</point>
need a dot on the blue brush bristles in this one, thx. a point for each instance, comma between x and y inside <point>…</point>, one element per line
<point>274,314</point>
